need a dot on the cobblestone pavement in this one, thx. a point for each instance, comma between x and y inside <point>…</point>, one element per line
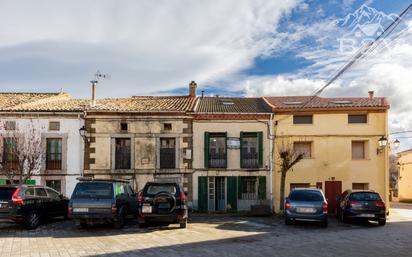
<point>215,236</point>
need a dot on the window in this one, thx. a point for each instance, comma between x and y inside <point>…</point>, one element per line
<point>123,153</point>
<point>55,184</point>
<point>357,118</point>
<point>299,185</point>
<point>248,188</point>
<point>10,154</point>
<point>154,189</point>
<point>40,192</point>
<point>10,125</point>
<point>250,150</point>
<point>302,119</point>
<point>29,192</point>
<point>53,194</point>
<point>364,196</point>
<point>306,195</point>
<point>123,126</point>
<point>54,154</point>
<point>360,186</point>
<point>167,126</point>
<point>304,148</point>
<point>54,125</point>
<point>217,150</point>
<point>358,150</point>
<point>167,153</point>
<point>90,190</point>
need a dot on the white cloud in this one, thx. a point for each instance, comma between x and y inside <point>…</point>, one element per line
<point>145,45</point>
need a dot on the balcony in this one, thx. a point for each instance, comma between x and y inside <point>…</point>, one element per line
<point>250,160</point>
<point>217,160</point>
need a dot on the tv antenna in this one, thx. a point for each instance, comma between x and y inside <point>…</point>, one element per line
<point>97,76</point>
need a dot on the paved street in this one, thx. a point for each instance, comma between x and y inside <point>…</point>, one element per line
<point>215,236</point>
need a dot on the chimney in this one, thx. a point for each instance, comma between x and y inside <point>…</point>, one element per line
<point>192,88</point>
<point>370,94</point>
<point>93,103</point>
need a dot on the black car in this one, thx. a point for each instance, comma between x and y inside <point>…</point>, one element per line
<point>361,205</point>
<point>163,203</point>
<point>28,205</point>
<point>102,201</point>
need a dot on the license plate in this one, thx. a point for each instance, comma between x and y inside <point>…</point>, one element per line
<point>147,209</point>
<point>367,215</point>
<point>80,209</point>
<point>306,210</point>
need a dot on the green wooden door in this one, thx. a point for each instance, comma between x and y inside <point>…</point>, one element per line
<point>202,193</point>
<point>232,192</point>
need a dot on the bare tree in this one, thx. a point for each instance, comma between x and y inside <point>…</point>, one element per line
<point>287,157</point>
<point>21,151</point>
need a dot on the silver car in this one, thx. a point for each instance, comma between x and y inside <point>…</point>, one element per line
<point>306,204</point>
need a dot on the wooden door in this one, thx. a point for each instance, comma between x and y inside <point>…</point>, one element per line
<point>332,190</point>
<point>232,193</point>
<point>202,193</point>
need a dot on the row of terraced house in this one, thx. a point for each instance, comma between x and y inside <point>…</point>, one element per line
<point>223,150</point>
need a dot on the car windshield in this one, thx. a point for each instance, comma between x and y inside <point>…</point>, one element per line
<point>157,188</point>
<point>6,193</point>
<point>306,196</point>
<point>365,196</point>
<point>93,190</point>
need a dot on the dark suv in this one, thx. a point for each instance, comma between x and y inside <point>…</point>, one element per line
<point>365,205</point>
<point>101,201</point>
<point>163,202</point>
<point>28,204</point>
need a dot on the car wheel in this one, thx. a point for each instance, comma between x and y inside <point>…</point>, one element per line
<point>183,223</point>
<point>382,222</point>
<point>324,223</point>
<point>343,217</point>
<point>32,220</point>
<point>119,222</point>
<point>288,221</point>
<point>83,224</point>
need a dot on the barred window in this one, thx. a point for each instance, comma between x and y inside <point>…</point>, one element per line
<point>54,154</point>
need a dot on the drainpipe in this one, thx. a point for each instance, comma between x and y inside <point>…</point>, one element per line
<point>271,139</point>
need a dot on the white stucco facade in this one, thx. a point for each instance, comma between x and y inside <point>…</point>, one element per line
<point>72,145</point>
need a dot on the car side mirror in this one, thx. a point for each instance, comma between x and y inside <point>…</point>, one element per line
<point>61,196</point>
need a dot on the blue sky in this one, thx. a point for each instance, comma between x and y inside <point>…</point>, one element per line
<point>231,47</point>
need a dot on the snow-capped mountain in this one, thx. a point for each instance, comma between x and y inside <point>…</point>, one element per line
<point>367,20</point>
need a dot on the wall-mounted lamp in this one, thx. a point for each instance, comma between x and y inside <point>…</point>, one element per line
<point>84,134</point>
<point>383,142</point>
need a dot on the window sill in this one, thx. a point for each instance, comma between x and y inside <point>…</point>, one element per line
<point>365,159</point>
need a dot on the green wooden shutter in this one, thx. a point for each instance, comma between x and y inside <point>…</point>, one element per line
<point>241,149</point>
<point>3,182</point>
<point>260,140</point>
<point>262,188</point>
<point>202,193</point>
<point>239,187</point>
<point>231,192</point>
<point>206,149</point>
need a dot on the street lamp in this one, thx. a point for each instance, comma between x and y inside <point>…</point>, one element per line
<point>383,142</point>
<point>84,134</point>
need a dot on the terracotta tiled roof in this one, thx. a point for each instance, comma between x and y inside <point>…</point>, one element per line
<point>309,102</point>
<point>17,101</point>
<point>232,105</point>
<point>137,104</point>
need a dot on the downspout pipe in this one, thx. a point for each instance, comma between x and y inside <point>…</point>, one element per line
<point>271,139</point>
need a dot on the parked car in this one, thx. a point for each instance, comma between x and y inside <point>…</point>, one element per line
<point>102,201</point>
<point>163,202</point>
<point>307,205</point>
<point>364,205</point>
<point>29,204</point>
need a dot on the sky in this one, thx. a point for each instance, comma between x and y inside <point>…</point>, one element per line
<point>231,47</point>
